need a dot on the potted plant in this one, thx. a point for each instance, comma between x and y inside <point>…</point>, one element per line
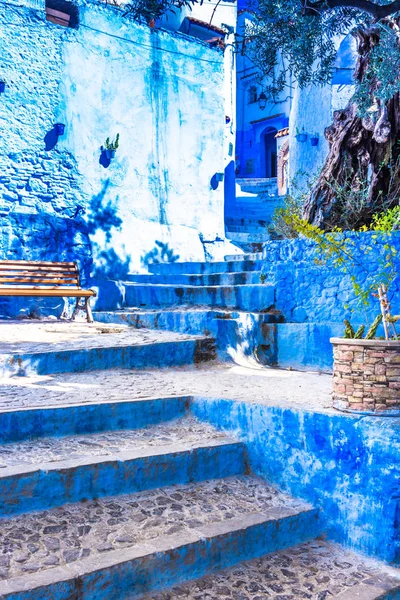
<point>314,139</point>
<point>366,372</point>
<point>111,147</point>
<point>301,136</point>
<point>60,128</point>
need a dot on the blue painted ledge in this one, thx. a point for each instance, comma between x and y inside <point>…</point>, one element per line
<point>26,423</point>
<point>349,466</point>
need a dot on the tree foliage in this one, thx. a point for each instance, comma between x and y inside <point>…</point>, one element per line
<point>299,36</point>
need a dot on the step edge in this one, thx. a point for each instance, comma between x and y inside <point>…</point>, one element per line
<point>68,465</point>
<point>20,353</point>
<point>91,565</point>
<point>110,403</point>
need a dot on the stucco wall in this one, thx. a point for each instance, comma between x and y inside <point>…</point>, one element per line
<point>307,292</point>
<point>164,94</point>
<point>344,464</point>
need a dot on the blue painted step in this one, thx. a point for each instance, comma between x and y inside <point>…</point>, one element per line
<point>195,268</point>
<point>243,297</point>
<point>23,424</point>
<point>202,546</point>
<point>24,488</point>
<point>226,279</point>
<point>100,357</point>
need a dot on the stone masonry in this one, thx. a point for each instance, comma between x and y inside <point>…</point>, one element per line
<point>366,375</point>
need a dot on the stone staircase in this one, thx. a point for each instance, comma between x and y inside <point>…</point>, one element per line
<point>224,300</point>
<point>113,500</point>
<point>72,347</point>
<point>248,217</point>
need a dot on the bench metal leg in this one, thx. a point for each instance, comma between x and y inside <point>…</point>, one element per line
<point>76,309</point>
<point>88,309</point>
<point>85,306</point>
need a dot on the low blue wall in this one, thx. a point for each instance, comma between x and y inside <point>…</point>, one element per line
<point>307,292</point>
<point>346,465</point>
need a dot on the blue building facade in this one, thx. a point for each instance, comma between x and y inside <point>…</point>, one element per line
<point>83,65</point>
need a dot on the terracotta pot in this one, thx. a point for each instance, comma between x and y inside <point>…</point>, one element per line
<point>366,376</point>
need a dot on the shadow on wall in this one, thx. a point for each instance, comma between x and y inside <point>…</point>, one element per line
<point>104,161</point>
<point>161,253</point>
<point>51,139</point>
<point>103,217</point>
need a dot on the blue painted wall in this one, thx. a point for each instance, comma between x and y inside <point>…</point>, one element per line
<point>59,197</point>
<point>345,464</point>
<point>307,292</point>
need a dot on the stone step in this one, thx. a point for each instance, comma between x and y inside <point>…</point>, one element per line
<point>128,545</point>
<point>193,320</point>
<point>252,256</point>
<point>249,236</point>
<point>318,570</point>
<point>202,280</point>
<point>244,297</point>
<point>125,349</point>
<point>42,474</point>
<point>244,229</point>
<point>95,413</point>
<point>267,200</point>
<point>236,264</point>
<point>247,222</point>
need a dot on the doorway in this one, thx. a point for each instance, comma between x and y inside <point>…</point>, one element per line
<point>269,154</point>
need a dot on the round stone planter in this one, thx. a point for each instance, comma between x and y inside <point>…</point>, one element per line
<point>366,376</point>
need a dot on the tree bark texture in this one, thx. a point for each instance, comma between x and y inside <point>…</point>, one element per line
<point>361,150</point>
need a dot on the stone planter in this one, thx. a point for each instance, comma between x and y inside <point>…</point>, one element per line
<point>366,376</point>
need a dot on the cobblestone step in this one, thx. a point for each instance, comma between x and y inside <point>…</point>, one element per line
<point>317,570</point>
<point>43,474</point>
<point>243,297</point>
<point>248,236</point>
<point>127,349</point>
<point>233,265</point>
<point>97,415</point>
<point>193,320</point>
<point>128,545</point>
<point>204,279</point>
<point>250,256</point>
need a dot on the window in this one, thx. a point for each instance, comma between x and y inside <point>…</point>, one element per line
<point>253,95</point>
<point>62,12</point>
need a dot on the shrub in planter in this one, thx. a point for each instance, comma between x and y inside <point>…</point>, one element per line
<point>301,136</point>
<point>366,374</point>
<point>111,147</point>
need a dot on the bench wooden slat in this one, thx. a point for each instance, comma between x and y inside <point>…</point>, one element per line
<point>47,292</point>
<point>37,272</point>
<point>48,281</point>
<point>44,270</point>
<point>37,263</point>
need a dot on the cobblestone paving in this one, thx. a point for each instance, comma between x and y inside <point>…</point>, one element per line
<point>38,336</point>
<point>41,540</point>
<point>264,385</point>
<point>317,571</point>
<point>186,430</point>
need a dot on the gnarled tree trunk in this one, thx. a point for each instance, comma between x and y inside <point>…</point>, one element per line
<point>361,150</point>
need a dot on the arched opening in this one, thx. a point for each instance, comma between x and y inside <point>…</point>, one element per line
<point>268,153</point>
<point>62,12</point>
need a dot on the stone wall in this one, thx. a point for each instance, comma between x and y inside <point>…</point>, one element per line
<point>344,464</point>
<point>366,375</point>
<point>108,76</point>
<point>311,293</point>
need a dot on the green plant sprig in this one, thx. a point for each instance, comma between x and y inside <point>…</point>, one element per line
<point>114,145</point>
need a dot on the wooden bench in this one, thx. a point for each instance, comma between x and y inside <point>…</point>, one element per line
<point>45,279</point>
